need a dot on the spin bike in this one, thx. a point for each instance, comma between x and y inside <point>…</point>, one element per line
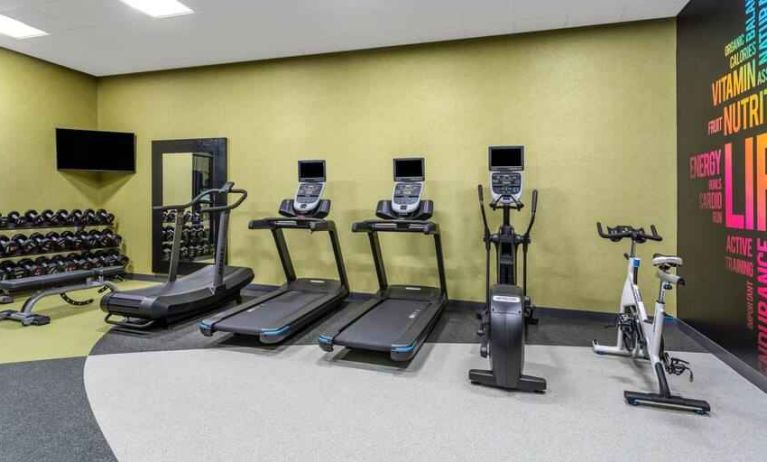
<point>508,309</point>
<point>640,337</point>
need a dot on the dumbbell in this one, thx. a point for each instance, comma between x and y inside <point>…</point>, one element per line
<point>85,240</point>
<point>9,270</point>
<point>119,259</point>
<point>167,248</point>
<point>76,217</point>
<point>167,233</point>
<point>81,262</point>
<point>9,247</point>
<point>28,266</point>
<point>4,271</point>
<point>89,217</point>
<point>48,218</point>
<point>169,216</point>
<point>63,217</point>
<point>109,239</point>
<point>56,264</point>
<point>71,262</point>
<point>42,266</point>
<point>94,238</point>
<point>104,217</point>
<point>42,244</point>
<point>113,258</point>
<point>68,240</point>
<point>32,218</point>
<point>3,221</point>
<point>25,245</point>
<point>15,219</point>
<point>57,243</point>
<point>92,260</point>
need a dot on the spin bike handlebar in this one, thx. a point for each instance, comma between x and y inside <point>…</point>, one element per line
<point>227,188</point>
<point>619,232</point>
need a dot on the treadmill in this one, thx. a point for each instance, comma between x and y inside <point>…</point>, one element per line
<point>400,317</point>
<point>206,288</point>
<point>279,314</point>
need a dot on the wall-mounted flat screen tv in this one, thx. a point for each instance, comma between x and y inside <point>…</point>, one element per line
<point>92,150</point>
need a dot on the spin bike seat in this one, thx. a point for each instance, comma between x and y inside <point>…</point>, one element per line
<point>666,260</point>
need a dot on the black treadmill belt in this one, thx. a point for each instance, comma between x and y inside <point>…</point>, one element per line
<point>272,313</point>
<point>384,324</point>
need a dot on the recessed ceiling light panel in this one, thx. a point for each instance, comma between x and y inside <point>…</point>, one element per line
<point>17,29</point>
<point>160,8</point>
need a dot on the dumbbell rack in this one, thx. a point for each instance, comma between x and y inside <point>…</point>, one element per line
<point>9,229</point>
<point>196,241</point>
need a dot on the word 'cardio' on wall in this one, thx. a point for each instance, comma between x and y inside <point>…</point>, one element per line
<point>729,177</point>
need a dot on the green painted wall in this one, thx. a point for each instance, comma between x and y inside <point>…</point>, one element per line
<point>595,108</point>
<point>35,98</point>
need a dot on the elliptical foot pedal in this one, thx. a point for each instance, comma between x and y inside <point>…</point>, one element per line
<point>636,398</point>
<point>5,299</point>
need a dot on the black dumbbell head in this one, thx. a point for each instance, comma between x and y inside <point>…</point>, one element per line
<point>48,217</point>
<point>76,217</point>
<point>15,219</point>
<point>62,216</point>
<point>32,217</point>
<point>105,217</point>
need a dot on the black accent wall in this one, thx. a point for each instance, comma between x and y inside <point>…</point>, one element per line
<point>721,109</point>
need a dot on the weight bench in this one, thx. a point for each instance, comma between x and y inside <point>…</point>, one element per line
<point>55,284</point>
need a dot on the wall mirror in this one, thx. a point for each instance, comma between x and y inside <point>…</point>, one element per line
<point>181,169</point>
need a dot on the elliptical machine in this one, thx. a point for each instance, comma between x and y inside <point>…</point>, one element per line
<point>637,335</point>
<point>508,309</point>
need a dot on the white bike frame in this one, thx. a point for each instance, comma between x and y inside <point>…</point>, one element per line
<point>652,331</point>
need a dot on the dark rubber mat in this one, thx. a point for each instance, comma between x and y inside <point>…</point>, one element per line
<point>45,414</point>
<point>457,324</point>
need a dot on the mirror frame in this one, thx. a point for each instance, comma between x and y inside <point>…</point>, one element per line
<point>217,147</point>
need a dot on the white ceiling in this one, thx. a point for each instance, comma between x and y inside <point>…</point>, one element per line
<point>106,37</point>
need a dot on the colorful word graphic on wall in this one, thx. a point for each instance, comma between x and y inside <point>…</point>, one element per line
<point>735,171</point>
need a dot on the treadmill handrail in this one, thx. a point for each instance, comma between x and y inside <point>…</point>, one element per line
<point>227,188</point>
<point>396,226</point>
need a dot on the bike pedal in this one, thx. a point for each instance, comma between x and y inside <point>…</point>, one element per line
<point>676,366</point>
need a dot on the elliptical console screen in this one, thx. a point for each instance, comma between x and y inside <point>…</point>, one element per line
<point>311,170</point>
<point>408,169</point>
<point>507,158</point>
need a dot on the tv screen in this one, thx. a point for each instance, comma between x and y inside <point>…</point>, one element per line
<point>92,150</point>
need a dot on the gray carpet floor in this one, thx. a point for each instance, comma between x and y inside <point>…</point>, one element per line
<point>296,403</point>
<point>45,414</point>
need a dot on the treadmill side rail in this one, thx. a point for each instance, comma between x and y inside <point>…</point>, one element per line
<point>414,337</point>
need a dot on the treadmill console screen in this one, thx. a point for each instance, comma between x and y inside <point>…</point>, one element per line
<point>311,170</point>
<point>409,169</point>
<point>507,158</point>
<point>311,177</point>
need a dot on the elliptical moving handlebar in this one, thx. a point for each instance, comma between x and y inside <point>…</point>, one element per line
<point>227,188</point>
